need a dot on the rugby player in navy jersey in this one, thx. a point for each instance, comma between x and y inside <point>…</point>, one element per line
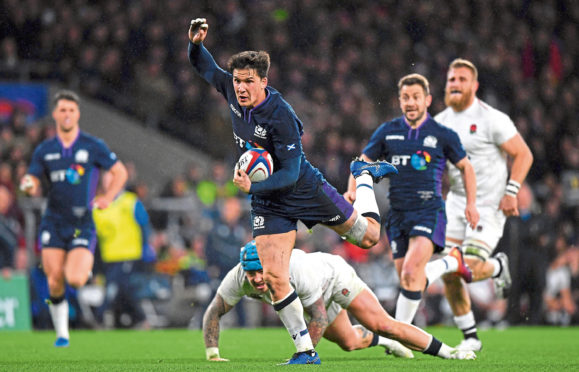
<point>296,190</point>
<point>419,147</point>
<point>70,162</point>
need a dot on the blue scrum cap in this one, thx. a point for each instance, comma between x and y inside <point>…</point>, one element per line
<point>249,258</point>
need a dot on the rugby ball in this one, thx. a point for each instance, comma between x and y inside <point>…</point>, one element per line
<point>257,163</point>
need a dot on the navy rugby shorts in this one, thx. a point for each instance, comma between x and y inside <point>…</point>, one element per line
<point>322,204</point>
<point>402,225</point>
<point>60,234</point>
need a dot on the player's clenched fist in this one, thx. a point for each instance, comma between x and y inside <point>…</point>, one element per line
<point>198,30</point>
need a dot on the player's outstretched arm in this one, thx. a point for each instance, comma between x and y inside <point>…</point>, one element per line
<point>198,30</point>
<point>469,179</point>
<point>216,309</point>
<point>319,320</point>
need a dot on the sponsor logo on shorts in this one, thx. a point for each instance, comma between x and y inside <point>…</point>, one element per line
<point>394,247</point>
<point>479,228</point>
<point>335,218</point>
<point>80,241</point>
<point>45,237</point>
<point>258,222</point>
<point>346,292</point>
<point>423,228</point>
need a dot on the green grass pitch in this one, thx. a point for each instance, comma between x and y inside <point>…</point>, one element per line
<point>513,349</point>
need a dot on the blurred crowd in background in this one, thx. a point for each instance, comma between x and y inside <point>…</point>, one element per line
<point>337,63</point>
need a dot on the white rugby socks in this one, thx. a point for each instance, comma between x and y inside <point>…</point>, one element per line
<point>290,311</point>
<point>365,202</point>
<point>407,305</point>
<point>59,315</point>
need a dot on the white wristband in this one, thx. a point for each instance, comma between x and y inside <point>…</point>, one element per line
<point>512,188</point>
<point>212,352</point>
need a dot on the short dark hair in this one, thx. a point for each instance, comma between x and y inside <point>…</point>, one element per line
<point>67,95</point>
<point>413,79</point>
<point>251,60</point>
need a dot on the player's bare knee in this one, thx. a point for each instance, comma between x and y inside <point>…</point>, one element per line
<point>55,283</point>
<point>76,280</point>
<point>408,277</point>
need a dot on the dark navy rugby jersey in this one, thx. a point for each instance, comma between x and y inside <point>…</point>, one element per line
<point>72,174</point>
<point>272,125</point>
<point>420,155</point>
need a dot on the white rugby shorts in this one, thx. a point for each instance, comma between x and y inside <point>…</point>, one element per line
<point>489,229</point>
<point>346,287</point>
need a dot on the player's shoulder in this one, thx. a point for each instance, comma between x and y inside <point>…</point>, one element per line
<point>392,125</point>
<point>89,138</point>
<point>234,277</point>
<point>276,106</point>
<point>438,127</point>
<point>490,112</point>
<point>48,143</point>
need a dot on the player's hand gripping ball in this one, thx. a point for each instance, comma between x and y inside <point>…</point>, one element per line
<point>257,163</point>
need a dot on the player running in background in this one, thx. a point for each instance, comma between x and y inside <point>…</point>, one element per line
<point>70,162</point>
<point>488,136</point>
<point>419,147</point>
<point>296,190</point>
<point>328,289</point>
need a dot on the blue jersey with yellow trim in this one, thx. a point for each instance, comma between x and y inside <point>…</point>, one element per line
<point>420,155</point>
<point>72,174</point>
<point>272,125</point>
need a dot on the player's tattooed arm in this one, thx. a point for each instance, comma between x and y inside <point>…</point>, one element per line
<point>318,320</point>
<point>217,308</point>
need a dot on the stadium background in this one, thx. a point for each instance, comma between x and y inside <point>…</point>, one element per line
<point>337,63</point>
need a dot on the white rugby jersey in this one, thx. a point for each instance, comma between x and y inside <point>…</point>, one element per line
<point>311,275</point>
<point>482,129</point>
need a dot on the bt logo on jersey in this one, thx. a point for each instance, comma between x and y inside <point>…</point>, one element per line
<point>420,160</point>
<point>74,173</point>
<point>400,159</point>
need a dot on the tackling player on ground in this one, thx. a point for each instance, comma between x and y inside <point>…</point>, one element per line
<point>419,147</point>
<point>488,136</point>
<point>328,289</point>
<point>296,190</point>
<point>70,162</point>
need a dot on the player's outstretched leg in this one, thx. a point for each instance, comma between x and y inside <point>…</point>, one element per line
<point>503,282</point>
<point>377,169</point>
<point>304,357</point>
